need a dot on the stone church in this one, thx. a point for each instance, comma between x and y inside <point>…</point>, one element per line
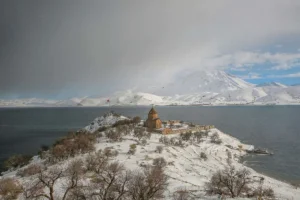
<point>153,121</point>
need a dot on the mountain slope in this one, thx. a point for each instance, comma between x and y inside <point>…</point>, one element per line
<point>211,87</point>
<point>204,81</point>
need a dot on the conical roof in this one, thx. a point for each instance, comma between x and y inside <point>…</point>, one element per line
<point>152,111</point>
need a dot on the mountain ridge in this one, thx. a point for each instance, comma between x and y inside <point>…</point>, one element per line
<point>212,87</point>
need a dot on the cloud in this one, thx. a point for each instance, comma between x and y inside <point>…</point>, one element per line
<point>239,61</point>
<point>294,75</point>
<point>94,47</point>
<point>250,76</point>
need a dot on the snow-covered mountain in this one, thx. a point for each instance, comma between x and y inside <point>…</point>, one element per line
<point>214,81</point>
<point>201,87</point>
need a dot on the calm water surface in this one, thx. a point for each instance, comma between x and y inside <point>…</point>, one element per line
<point>24,130</point>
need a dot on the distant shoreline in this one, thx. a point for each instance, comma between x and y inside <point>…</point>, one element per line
<point>119,106</point>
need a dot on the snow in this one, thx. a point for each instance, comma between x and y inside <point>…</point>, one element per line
<point>185,169</point>
<point>211,87</point>
<point>103,121</point>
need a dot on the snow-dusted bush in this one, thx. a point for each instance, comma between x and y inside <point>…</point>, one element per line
<point>71,145</point>
<point>198,136</point>
<point>132,149</point>
<point>159,162</point>
<point>96,161</point>
<point>30,170</point>
<point>186,136</point>
<point>110,152</point>
<point>203,156</point>
<point>159,149</point>
<point>165,140</point>
<point>143,142</point>
<point>229,157</point>
<point>113,135</point>
<point>136,119</point>
<point>230,182</point>
<point>17,161</point>
<point>215,138</point>
<point>263,193</point>
<point>124,129</point>
<point>176,141</point>
<point>122,122</point>
<point>9,189</point>
<point>140,132</point>
<point>181,194</point>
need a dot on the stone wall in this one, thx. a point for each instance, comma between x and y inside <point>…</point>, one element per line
<point>197,128</point>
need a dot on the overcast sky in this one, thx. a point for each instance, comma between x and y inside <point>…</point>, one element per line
<point>67,48</point>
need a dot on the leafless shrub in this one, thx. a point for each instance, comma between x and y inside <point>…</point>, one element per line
<point>30,170</point>
<point>266,193</point>
<point>74,143</point>
<point>109,152</point>
<point>181,194</point>
<point>17,161</point>
<point>203,156</point>
<point>96,162</point>
<point>136,120</point>
<point>165,140</point>
<point>230,182</point>
<point>140,132</point>
<point>160,162</point>
<point>143,142</point>
<point>215,138</point>
<point>159,149</point>
<point>132,149</point>
<point>186,136</point>
<point>114,135</point>
<point>111,183</point>
<point>198,136</point>
<point>74,173</point>
<point>9,189</point>
<point>229,158</point>
<point>122,122</point>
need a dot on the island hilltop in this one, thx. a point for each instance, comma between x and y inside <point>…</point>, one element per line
<point>123,158</point>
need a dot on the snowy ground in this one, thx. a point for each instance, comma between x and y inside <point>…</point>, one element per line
<point>186,169</point>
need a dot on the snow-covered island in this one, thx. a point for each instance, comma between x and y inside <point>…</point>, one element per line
<point>116,157</point>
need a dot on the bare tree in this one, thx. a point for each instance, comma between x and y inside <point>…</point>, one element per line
<point>150,184</point>
<point>74,174</point>
<point>96,162</point>
<point>229,182</point>
<point>45,179</point>
<point>111,183</point>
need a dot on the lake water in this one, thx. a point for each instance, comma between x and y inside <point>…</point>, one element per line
<point>24,130</point>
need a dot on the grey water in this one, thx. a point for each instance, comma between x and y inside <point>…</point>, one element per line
<point>277,128</point>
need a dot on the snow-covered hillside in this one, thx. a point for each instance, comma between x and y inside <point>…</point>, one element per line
<point>186,168</point>
<point>202,88</point>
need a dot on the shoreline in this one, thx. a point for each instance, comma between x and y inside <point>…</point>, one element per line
<point>188,171</point>
<point>131,106</point>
